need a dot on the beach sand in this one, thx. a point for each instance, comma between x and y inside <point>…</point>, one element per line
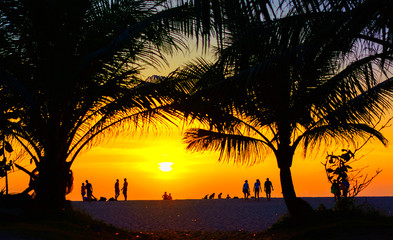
<point>204,215</point>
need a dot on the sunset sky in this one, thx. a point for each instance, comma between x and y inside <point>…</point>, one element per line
<point>194,175</point>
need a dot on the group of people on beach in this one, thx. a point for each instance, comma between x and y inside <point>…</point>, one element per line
<point>268,188</point>
<point>340,188</point>
<point>167,196</point>
<point>87,191</point>
<point>124,189</point>
<point>219,196</point>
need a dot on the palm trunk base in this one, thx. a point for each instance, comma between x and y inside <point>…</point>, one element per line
<point>298,208</point>
<point>51,189</point>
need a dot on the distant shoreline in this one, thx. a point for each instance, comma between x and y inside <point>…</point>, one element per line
<point>262,198</point>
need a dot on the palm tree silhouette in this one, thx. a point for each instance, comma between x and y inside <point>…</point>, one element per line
<point>73,68</point>
<point>279,85</point>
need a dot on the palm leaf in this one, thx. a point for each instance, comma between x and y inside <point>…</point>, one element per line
<point>240,149</point>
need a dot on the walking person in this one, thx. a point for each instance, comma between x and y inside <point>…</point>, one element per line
<point>117,189</point>
<point>246,190</point>
<point>257,189</point>
<point>124,189</point>
<point>268,188</point>
<point>83,191</point>
<point>89,191</point>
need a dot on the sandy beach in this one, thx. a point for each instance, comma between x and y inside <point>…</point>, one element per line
<point>204,215</point>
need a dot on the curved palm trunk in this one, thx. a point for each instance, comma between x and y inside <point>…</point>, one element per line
<point>296,207</point>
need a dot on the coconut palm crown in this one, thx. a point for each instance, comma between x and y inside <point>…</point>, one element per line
<point>72,69</point>
<point>303,80</point>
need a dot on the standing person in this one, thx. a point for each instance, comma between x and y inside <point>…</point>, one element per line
<point>165,196</point>
<point>117,189</point>
<point>268,188</point>
<point>344,186</point>
<point>335,189</point>
<point>89,191</point>
<point>124,189</point>
<point>246,190</point>
<point>83,191</point>
<point>257,189</point>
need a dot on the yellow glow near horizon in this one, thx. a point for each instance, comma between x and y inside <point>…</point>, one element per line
<point>197,174</point>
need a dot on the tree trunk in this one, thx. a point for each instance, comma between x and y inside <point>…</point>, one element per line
<point>51,185</point>
<point>297,207</point>
<point>6,182</point>
<point>287,186</point>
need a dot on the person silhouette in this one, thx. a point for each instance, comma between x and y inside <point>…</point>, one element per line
<point>344,186</point>
<point>165,196</point>
<point>257,189</point>
<point>335,189</point>
<point>83,191</point>
<point>268,188</point>
<point>117,189</point>
<point>89,191</point>
<point>219,196</point>
<point>169,196</point>
<point>246,190</point>
<point>124,189</point>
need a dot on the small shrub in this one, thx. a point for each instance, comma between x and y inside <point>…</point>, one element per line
<point>321,208</point>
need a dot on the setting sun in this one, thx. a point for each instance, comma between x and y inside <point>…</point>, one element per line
<point>165,166</point>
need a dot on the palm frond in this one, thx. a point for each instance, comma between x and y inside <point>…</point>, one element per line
<point>326,135</point>
<point>306,72</point>
<point>241,149</point>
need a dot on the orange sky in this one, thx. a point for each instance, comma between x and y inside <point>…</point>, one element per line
<point>196,174</point>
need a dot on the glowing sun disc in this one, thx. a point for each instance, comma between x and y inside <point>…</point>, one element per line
<point>165,166</point>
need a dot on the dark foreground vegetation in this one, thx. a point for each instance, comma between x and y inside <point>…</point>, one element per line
<point>358,223</point>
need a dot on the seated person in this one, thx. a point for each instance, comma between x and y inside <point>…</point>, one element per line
<point>165,196</point>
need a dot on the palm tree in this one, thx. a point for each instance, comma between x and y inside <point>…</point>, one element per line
<point>72,67</point>
<point>303,80</point>
<point>9,115</point>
